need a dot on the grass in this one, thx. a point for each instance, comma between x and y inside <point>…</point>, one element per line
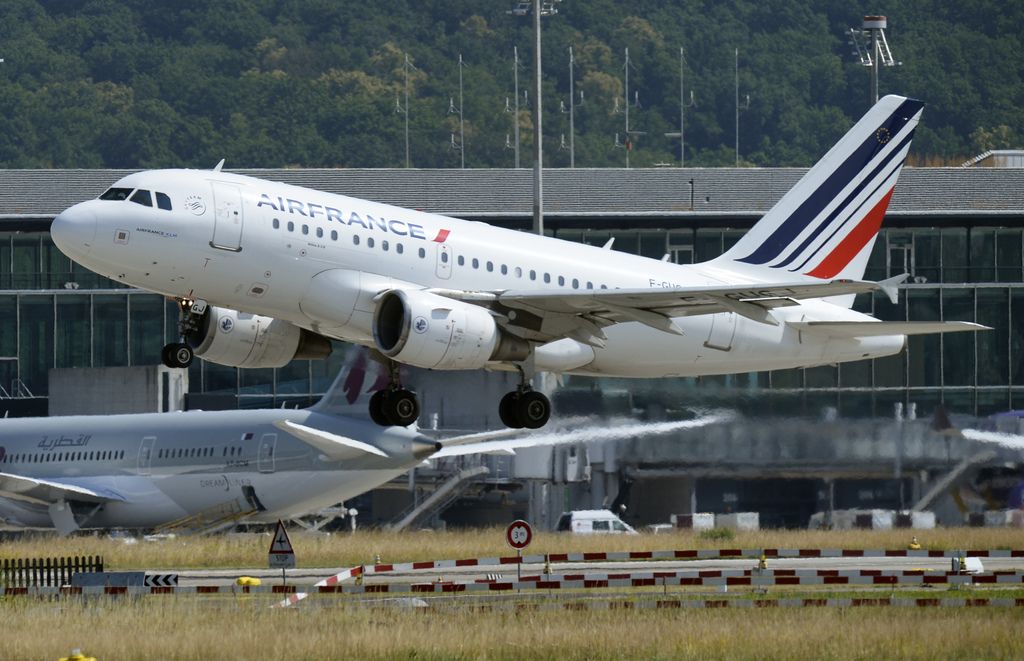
<point>183,627</point>
<point>207,629</point>
<point>345,550</point>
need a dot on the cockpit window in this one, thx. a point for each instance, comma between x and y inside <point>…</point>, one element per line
<point>142,197</point>
<point>163,201</point>
<point>116,194</point>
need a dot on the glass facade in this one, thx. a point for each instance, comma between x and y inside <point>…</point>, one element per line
<point>57,314</point>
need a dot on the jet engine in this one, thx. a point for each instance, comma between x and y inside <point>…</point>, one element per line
<point>426,330</point>
<point>240,339</point>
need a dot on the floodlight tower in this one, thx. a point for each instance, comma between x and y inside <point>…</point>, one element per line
<point>872,48</point>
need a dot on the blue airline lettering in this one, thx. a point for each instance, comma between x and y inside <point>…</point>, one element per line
<point>311,209</point>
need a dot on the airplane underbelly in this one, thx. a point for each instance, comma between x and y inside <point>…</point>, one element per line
<point>710,344</point>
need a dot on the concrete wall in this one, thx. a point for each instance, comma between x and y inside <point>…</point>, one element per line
<point>110,390</point>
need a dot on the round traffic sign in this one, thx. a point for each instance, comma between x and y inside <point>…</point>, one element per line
<point>519,534</point>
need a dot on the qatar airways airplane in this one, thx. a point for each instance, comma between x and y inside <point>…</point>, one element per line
<point>264,272</point>
<point>207,470</point>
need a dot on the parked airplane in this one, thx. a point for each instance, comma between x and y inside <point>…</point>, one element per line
<point>207,467</point>
<point>265,272</point>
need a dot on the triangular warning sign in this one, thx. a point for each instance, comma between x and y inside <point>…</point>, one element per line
<point>281,545</point>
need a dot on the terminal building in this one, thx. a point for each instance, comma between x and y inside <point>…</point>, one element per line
<point>804,440</point>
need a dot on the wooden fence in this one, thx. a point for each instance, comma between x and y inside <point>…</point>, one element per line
<point>46,572</point>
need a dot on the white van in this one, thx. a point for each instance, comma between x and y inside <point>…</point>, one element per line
<point>586,522</point>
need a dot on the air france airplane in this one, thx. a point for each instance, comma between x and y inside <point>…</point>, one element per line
<point>265,272</point>
<point>204,470</point>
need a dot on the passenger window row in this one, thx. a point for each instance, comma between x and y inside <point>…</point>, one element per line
<point>50,457</point>
<point>190,453</point>
<point>385,245</point>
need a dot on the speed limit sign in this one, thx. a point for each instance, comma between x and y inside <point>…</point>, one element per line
<point>519,534</point>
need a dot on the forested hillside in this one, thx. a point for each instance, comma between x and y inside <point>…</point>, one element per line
<point>274,83</point>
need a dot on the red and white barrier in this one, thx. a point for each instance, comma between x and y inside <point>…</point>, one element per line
<point>589,581</point>
<point>659,604</point>
<point>686,554</point>
<point>330,581</point>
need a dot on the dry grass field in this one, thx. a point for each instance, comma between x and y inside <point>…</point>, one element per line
<point>346,550</point>
<point>224,627</point>
<point>171,628</point>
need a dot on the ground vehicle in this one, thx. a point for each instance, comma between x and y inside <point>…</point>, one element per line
<point>586,522</point>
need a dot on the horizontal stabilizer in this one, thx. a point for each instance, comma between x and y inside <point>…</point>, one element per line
<point>35,490</point>
<point>334,447</point>
<point>877,328</point>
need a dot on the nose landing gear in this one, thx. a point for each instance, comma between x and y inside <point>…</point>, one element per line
<point>179,354</point>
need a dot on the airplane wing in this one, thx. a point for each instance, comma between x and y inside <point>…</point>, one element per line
<point>875,328</point>
<point>545,315</point>
<point>335,447</point>
<point>46,492</point>
<point>583,435</point>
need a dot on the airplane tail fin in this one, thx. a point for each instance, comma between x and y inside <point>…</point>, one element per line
<point>826,224</point>
<point>360,376</point>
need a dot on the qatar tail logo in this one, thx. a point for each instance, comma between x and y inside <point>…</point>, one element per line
<point>227,324</point>
<point>420,325</point>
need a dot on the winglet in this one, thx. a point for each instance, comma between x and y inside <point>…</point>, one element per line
<point>216,168</point>
<point>890,287</point>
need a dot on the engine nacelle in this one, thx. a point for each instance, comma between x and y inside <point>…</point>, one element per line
<point>240,339</point>
<point>426,330</point>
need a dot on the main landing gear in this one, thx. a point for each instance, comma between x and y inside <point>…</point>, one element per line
<point>179,354</point>
<point>524,407</point>
<point>394,405</point>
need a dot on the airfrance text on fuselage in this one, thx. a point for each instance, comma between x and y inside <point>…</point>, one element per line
<point>312,209</point>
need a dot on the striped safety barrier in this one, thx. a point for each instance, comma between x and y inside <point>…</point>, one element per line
<point>329,582</point>
<point>687,554</point>
<point>676,604</point>
<point>711,579</point>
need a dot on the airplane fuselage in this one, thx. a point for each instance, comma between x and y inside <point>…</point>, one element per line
<point>317,259</point>
<point>162,467</point>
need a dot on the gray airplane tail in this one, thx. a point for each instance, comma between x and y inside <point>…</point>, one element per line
<point>360,376</point>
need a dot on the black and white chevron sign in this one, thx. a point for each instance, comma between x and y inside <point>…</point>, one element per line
<point>161,580</point>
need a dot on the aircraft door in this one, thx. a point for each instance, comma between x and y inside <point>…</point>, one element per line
<point>227,217</point>
<point>146,455</point>
<point>265,458</point>
<point>723,329</point>
<point>444,261</point>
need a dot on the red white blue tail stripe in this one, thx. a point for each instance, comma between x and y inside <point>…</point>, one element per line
<point>824,227</point>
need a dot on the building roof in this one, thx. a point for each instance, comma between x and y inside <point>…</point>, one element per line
<point>722,193</point>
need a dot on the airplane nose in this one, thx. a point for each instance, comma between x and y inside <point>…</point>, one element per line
<point>74,230</point>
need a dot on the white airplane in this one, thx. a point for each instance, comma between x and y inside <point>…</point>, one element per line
<point>265,271</point>
<point>216,468</point>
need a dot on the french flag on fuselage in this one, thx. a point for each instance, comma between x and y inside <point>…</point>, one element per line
<point>821,226</point>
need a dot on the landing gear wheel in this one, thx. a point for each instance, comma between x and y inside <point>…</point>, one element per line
<point>377,408</point>
<point>178,355</point>
<point>507,410</point>
<point>401,407</point>
<point>533,409</point>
